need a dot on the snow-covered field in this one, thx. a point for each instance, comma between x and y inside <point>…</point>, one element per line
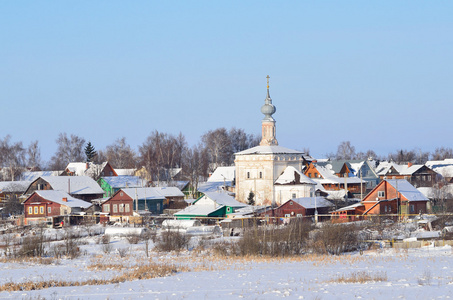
<point>424,273</point>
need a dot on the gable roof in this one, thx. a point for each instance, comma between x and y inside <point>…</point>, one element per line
<point>224,199</point>
<point>222,174</point>
<point>78,185</point>
<point>57,197</point>
<point>312,202</point>
<point>292,176</point>
<point>407,190</point>
<point>87,169</point>
<point>143,193</point>
<point>329,177</point>
<point>33,175</point>
<point>170,191</point>
<point>198,210</point>
<point>401,169</point>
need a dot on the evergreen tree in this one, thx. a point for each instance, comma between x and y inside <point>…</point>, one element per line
<point>90,152</point>
<point>251,198</point>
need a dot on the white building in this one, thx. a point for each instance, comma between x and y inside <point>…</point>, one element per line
<point>258,168</point>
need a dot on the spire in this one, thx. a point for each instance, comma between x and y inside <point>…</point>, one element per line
<point>268,123</point>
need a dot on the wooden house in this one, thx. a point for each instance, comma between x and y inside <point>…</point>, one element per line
<point>54,207</point>
<point>417,175</point>
<point>81,187</point>
<point>122,205</point>
<point>324,174</point>
<point>304,207</point>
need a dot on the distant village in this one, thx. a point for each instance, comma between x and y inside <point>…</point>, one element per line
<point>230,177</point>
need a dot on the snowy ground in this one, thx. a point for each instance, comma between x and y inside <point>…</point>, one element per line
<point>425,273</point>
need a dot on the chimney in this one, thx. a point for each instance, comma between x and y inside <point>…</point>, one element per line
<point>87,165</point>
<point>65,199</point>
<point>409,164</point>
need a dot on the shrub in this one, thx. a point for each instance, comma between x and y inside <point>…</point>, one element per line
<point>123,252</point>
<point>335,239</point>
<point>133,238</point>
<point>272,241</point>
<point>172,241</point>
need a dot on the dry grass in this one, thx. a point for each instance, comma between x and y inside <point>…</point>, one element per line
<point>30,260</point>
<point>148,271</point>
<point>361,277</point>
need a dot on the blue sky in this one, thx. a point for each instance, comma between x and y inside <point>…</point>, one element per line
<point>376,73</point>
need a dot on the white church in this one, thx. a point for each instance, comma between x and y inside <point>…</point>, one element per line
<point>271,172</point>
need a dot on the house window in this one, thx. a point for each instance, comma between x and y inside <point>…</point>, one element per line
<point>309,175</point>
<point>429,177</point>
<point>299,215</point>
<point>287,215</point>
<point>381,194</point>
<point>49,210</point>
<point>412,208</point>
<point>30,210</point>
<point>106,207</point>
<point>390,208</point>
<point>36,210</point>
<point>121,193</point>
<point>290,202</point>
<point>126,207</point>
<point>115,208</point>
<point>248,175</point>
<point>41,209</point>
<point>261,174</point>
<point>228,209</point>
<point>293,196</point>
<point>121,208</point>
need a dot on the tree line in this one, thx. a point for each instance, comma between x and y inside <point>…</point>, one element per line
<point>161,152</point>
<point>158,154</point>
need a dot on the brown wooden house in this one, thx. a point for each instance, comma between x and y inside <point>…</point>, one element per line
<point>53,206</point>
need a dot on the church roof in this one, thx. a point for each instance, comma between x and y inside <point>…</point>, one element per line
<point>268,150</point>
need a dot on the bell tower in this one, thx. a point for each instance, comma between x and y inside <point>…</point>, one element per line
<point>268,123</point>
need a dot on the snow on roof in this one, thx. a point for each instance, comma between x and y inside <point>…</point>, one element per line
<point>14,186</point>
<point>439,163</point>
<point>292,176</point>
<point>350,207</point>
<point>79,185</point>
<point>170,191</point>
<point>205,187</point>
<point>125,172</point>
<point>407,190</point>
<point>385,169</point>
<point>198,210</point>
<point>268,150</point>
<point>444,170</point>
<point>224,199</point>
<point>33,175</point>
<point>124,181</point>
<point>85,169</point>
<point>57,197</point>
<point>313,202</point>
<point>222,174</point>
<point>143,193</point>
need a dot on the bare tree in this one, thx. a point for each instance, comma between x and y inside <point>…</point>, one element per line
<point>218,144</point>
<point>12,159</point>
<point>345,151</point>
<point>121,155</point>
<point>34,161</point>
<point>160,153</point>
<point>195,167</point>
<point>442,153</point>
<point>403,156</point>
<point>70,149</point>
